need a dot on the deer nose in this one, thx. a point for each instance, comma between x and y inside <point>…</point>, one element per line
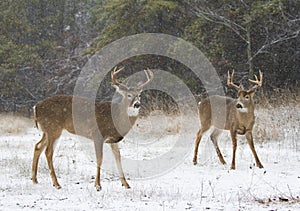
<point>239,105</point>
<point>137,105</point>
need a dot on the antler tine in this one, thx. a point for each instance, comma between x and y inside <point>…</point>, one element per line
<point>230,81</point>
<point>149,74</point>
<point>114,80</point>
<point>256,81</point>
<point>117,71</point>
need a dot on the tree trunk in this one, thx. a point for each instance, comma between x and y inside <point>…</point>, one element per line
<point>249,50</point>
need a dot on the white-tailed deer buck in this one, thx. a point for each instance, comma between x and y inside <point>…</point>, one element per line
<point>113,120</point>
<point>239,118</point>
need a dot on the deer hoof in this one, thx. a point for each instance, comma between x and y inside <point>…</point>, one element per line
<point>126,186</point>
<point>260,166</point>
<point>124,183</point>
<point>223,162</point>
<point>34,181</point>
<point>57,186</point>
<point>98,187</point>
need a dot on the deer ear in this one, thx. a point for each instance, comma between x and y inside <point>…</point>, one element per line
<point>119,90</point>
<point>251,92</point>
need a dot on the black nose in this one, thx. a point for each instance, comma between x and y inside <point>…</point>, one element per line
<point>137,105</point>
<point>239,106</point>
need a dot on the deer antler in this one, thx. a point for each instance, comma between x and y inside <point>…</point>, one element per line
<point>114,80</point>
<point>230,81</point>
<point>256,81</point>
<point>149,75</point>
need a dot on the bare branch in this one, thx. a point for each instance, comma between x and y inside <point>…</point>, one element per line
<point>219,19</point>
<point>284,38</point>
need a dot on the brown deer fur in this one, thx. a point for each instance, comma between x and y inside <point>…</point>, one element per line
<point>55,114</point>
<point>239,119</point>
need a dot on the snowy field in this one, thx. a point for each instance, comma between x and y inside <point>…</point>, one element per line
<point>206,186</point>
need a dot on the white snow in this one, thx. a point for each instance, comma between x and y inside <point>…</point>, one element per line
<point>206,186</point>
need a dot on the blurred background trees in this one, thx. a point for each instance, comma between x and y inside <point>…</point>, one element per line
<point>45,43</point>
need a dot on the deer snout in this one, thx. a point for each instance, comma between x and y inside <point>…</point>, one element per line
<point>239,106</point>
<point>137,104</point>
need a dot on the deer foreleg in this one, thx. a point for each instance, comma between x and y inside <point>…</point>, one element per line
<point>116,152</point>
<point>234,145</point>
<point>249,138</point>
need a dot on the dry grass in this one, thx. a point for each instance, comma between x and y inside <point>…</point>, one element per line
<point>279,97</point>
<point>14,124</point>
<point>277,123</point>
<point>278,116</point>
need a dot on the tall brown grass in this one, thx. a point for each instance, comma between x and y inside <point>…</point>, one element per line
<point>14,123</point>
<point>277,115</point>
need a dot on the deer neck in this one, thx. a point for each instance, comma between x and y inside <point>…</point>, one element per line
<point>245,117</point>
<point>122,120</point>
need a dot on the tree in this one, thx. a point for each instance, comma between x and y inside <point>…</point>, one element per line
<point>33,36</point>
<point>256,28</point>
<point>114,19</point>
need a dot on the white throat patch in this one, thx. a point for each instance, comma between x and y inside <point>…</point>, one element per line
<point>243,110</point>
<point>133,112</point>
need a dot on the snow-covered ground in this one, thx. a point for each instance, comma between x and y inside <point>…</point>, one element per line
<point>177,185</point>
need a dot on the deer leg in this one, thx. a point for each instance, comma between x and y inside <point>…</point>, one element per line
<point>214,137</point>
<point>51,138</point>
<point>38,149</point>
<point>198,139</point>
<point>249,138</point>
<point>116,151</point>
<point>98,143</point>
<point>234,145</point>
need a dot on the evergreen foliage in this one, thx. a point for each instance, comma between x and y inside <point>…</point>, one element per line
<point>45,43</point>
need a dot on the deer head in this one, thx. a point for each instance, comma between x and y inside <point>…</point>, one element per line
<point>130,95</point>
<point>245,97</point>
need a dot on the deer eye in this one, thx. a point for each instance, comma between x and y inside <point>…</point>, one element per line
<point>129,96</point>
<point>247,97</point>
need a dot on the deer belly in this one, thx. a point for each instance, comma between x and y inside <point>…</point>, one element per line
<point>112,140</point>
<point>223,125</point>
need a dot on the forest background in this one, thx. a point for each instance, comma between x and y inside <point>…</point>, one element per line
<point>45,43</point>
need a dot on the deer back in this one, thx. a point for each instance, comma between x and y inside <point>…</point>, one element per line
<point>217,111</point>
<point>55,114</point>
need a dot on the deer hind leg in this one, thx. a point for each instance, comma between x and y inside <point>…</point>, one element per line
<point>38,149</point>
<point>98,143</point>
<point>197,142</point>
<point>249,138</point>
<point>116,152</point>
<point>214,137</point>
<point>51,138</point>
<point>234,145</point>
